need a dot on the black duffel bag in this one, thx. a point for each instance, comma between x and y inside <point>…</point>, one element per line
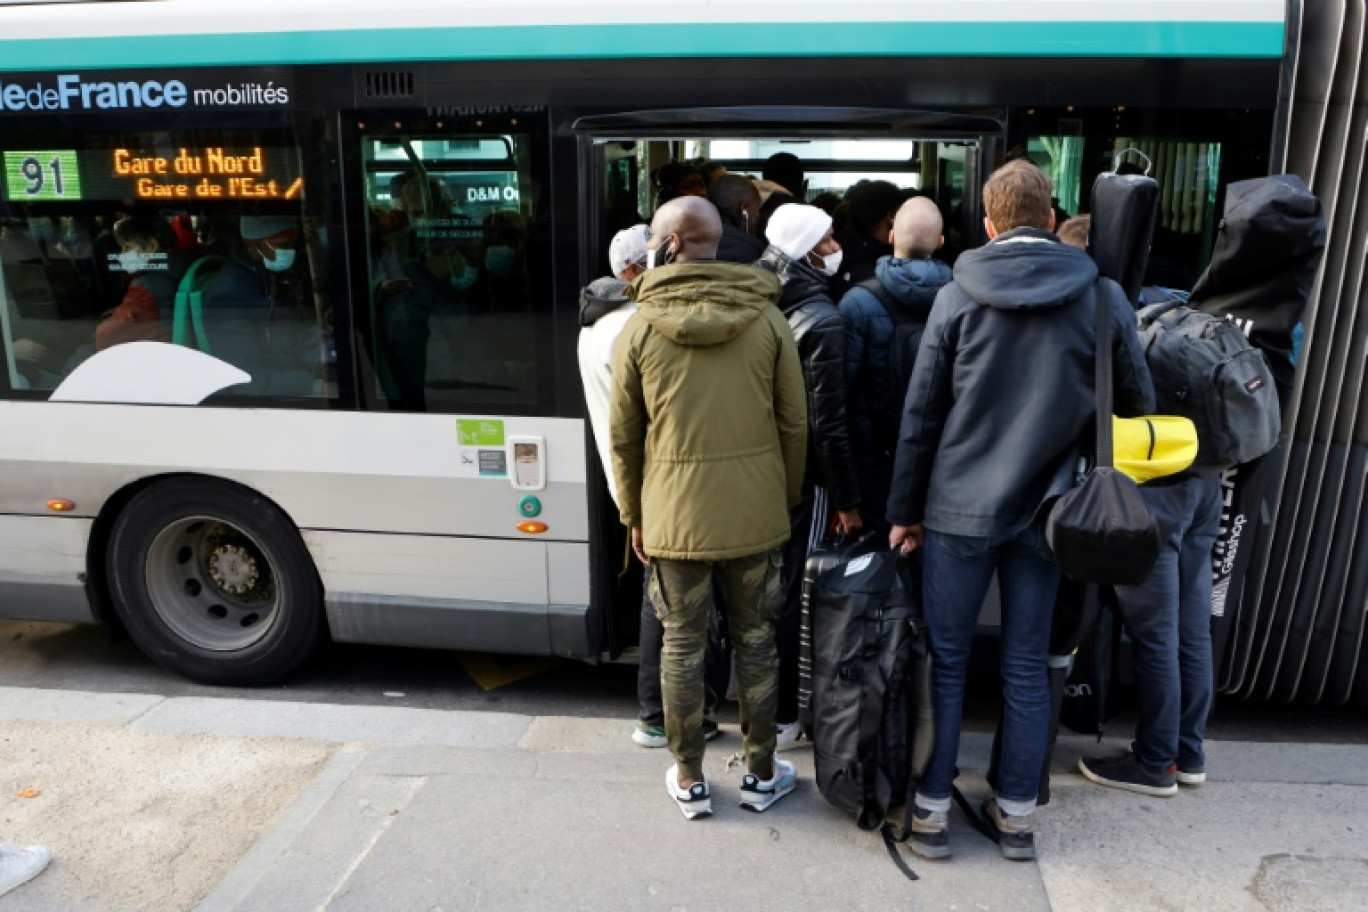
<point>871,681</point>
<point>1101,531</point>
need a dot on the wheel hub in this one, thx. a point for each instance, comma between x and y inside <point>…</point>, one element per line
<point>233,569</point>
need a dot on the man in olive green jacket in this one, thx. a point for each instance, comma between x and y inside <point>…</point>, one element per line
<point>709,433</point>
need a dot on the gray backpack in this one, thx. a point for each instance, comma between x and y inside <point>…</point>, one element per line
<point>1205,369</point>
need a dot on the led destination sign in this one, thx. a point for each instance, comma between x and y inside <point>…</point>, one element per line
<point>188,173</point>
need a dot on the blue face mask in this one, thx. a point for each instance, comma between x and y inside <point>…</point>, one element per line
<point>500,259</point>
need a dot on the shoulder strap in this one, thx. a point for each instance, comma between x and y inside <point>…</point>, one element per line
<point>876,287</point>
<point>1102,382</point>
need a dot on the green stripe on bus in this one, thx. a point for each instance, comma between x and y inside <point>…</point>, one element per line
<point>635,40</point>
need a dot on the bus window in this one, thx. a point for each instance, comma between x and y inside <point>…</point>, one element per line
<point>458,263</point>
<point>1188,173</point>
<point>198,237</point>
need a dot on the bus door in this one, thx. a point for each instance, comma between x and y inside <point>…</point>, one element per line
<point>940,155</point>
<point>484,479</point>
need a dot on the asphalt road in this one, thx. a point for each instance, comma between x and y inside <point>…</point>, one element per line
<point>69,657</point>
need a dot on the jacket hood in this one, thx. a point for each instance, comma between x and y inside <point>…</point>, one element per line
<point>913,283</point>
<point>600,298</point>
<point>703,302</point>
<point>1024,269</point>
<point>801,282</point>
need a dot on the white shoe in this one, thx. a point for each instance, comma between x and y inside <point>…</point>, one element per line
<point>19,865</point>
<point>758,794</point>
<point>695,801</point>
<point>787,734</point>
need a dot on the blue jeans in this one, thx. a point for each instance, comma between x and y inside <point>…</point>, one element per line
<point>1168,618</point>
<point>957,570</point>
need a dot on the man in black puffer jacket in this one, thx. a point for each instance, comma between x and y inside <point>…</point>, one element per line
<point>804,255</point>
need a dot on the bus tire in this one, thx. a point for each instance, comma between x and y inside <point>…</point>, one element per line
<point>213,582</point>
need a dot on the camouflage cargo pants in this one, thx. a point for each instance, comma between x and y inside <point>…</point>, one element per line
<point>681,592</point>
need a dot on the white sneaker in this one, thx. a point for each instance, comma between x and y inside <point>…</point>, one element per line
<point>787,734</point>
<point>695,801</point>
<point>20,865</point>
<point>649,736</point>
<point>758,794</point>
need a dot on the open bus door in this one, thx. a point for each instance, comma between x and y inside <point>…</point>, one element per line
<point>941,155</point>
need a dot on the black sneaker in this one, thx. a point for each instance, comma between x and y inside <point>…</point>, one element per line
<point>1125,772</point>
<point>1015,836</point>
<point>711,729</point>
<point>929,833</point>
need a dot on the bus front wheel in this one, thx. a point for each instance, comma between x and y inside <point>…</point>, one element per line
<point>213,582</point>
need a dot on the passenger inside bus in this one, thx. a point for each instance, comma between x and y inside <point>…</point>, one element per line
<point>154,267</point>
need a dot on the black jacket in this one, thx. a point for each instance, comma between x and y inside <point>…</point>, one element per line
<point>739,246</point>
<point>1001,401</point>
<point>819,330</point>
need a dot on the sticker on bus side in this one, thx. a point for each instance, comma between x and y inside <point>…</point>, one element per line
<point>480,432</point>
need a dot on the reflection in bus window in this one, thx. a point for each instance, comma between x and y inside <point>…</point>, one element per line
<point>201,238</point>
<point>451,242</point>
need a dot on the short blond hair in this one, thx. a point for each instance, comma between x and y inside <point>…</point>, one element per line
<point>1075,231</point>
<point>1017,195</point>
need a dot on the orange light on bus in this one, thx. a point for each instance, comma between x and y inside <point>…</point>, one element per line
<point>61,506</point>
<point>532,528</point>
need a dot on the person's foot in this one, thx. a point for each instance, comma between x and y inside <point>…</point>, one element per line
<point>1126,772</point>
<point>695,801</point>
<point>711,729</point>
<point>759,794</point>
<point>929,833</point>
<point>787,734</point>
<point>1190,775</point>
<point>1016,837</point>
<point>20,864</point>
<point>646,735</point>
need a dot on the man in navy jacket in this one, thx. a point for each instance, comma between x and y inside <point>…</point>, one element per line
<point>999,409</point>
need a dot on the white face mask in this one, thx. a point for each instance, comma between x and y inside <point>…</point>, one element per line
<point>134,261</point>
<point>284,259</point>
<point>830,263</point>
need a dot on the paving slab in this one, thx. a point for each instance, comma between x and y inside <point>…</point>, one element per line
<point>1224,846</point>
<point>322,722</point>
<point>140,820</point>
<point>78,706</point>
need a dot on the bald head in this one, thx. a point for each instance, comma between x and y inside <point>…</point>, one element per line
<point>917,229</point>
<point>685,228</point>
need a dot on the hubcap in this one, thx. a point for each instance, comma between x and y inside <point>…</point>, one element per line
<point>212,584</point>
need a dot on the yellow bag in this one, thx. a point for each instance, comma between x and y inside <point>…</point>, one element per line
<point>1153,446</point>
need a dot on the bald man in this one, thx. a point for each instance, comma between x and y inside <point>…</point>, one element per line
<point>884,319</point>
<point>709,432</point>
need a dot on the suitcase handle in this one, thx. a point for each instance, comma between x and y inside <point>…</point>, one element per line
<point>1116,162</point>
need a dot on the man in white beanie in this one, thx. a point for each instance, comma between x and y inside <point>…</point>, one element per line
<point>604,310</point>
<point>804,256</point>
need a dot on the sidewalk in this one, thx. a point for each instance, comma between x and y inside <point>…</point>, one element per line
<point>228,804</point>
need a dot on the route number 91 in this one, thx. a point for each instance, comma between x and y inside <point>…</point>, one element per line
<point>31,176</point>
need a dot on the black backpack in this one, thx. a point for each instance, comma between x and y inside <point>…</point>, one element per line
<point>871,680</point>
<point>902,356</point>
<point>1205,369</point>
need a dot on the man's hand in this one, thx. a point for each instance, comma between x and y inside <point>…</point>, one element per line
<point>848,522</point>
<point>639,547</point>
<point>906,538</point>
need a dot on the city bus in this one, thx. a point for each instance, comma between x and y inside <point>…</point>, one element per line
<point>289,290</point>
